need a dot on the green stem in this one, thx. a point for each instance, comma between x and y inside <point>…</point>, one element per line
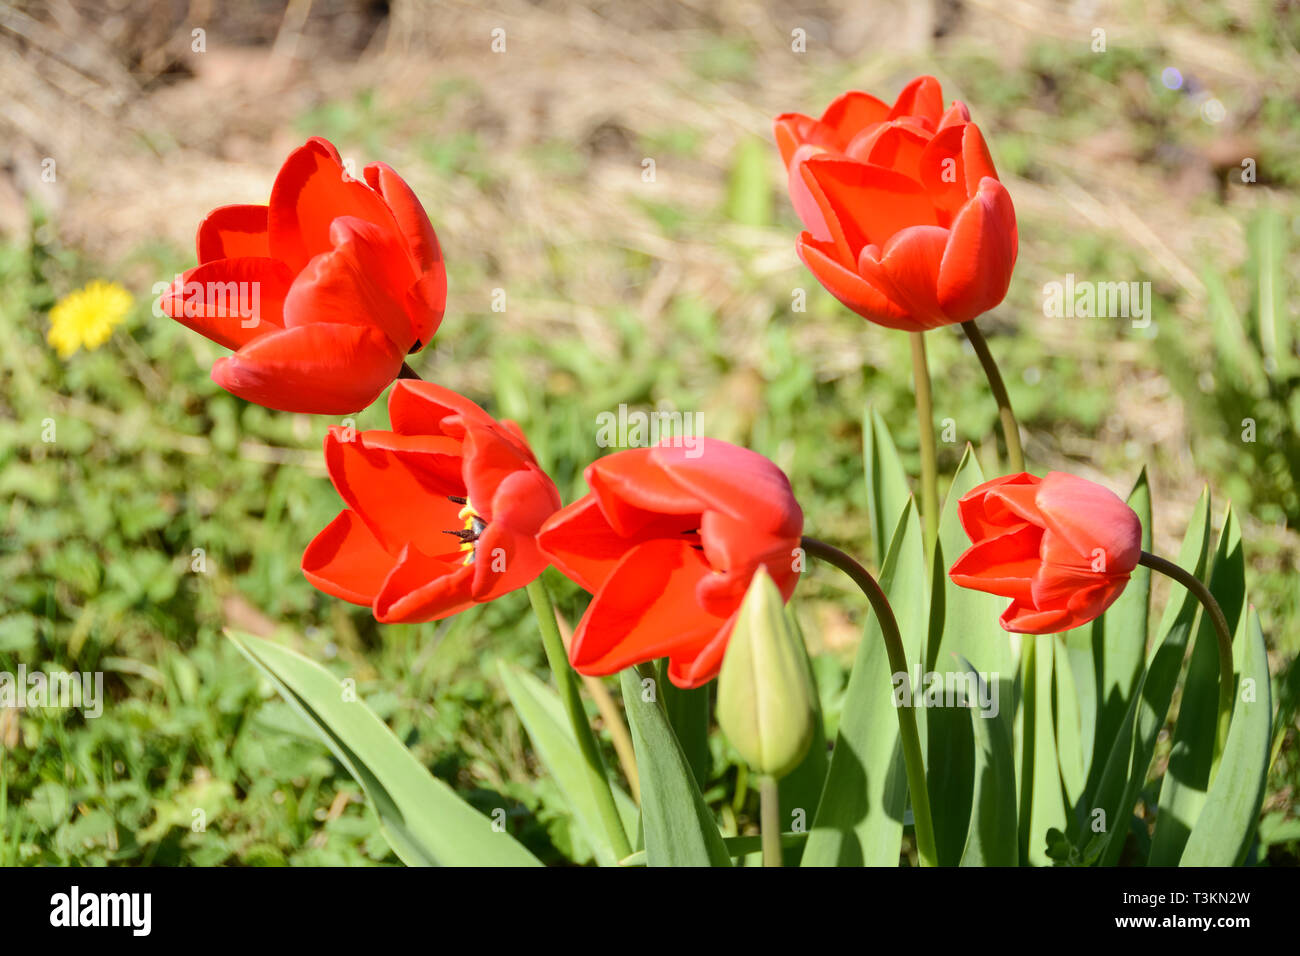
<point>567,682</point>
<point>929,448</point>
<point>911,739</point>
<point>1202,594</point>
<point>1010,427</point>
<point>769,796</point>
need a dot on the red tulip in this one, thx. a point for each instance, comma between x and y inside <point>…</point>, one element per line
<point>443,510</point>
<point>667,542</point>
<point>1060,547</point>
<point>907,223</point>
<point>322,293</point>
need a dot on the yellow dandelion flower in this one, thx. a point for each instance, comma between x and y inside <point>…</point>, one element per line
<point>87,317</point>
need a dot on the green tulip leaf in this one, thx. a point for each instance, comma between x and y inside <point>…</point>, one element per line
<point>1230,814</point>
<point>1191,755</point>
<point>859,819</point>
<point>1109,807</point>
<point>542,712</point>
<point>678,828</point>
<point>425,822</point>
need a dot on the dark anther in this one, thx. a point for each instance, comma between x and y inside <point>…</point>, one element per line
<point>466,534</point>
<point>416,347</point>
<point>456,498</point>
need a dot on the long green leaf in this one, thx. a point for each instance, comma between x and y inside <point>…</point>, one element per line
<point>859,819</point>
<point>887,492</point>
<point>543,716</point>
<point>1119,642</point>
<point>1110,806</point>
<point>678,828</point>
<point>688,713</point>
<point>1191,755</point>
<point>993,839</point>
<point>425,822</point>
<point>1228,820</point>
<point>1042,806</point>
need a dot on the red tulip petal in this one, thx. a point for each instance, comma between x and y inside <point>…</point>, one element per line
<point>1089,517</point>
<point>697,664</point>
<point>430,289</point>
<point>310,192</point>
<point>984,513</point>
<point>981,254</point>
<point>230,301</point>
<point>424,587</point>
<point>898,147</point>
<point>232,232</point>
<point>393,483</point>
<point>346,561</point>
<point>1083,606</point>
<point>909,271</point>
<point>645,609</point>
<point>956,115</point>
<point>320,369</point>
<point>490,458</point>
<point>870,203</point>
<point>1003,565</point>
<point>1026,619</point>
<point>923,98</point>
<point>581,543</point>
<point>793,130</point>
<point>362,280</point>
<point>507,555</point>
<point>735,481</point>
<point>634,491</point>
<point>424,408</point>
<point>850,288</point>
<point>851,112</point>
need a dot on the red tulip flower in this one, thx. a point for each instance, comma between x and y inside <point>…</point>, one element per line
<point>442,511</point>
<point>667,542</point>
<point>907,223</point>
<point>1060,547</point>
<point>322,293</point>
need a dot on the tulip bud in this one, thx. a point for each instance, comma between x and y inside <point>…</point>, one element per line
<point>766,697</point>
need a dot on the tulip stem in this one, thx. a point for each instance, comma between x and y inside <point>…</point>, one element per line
<point>566,680</point>
<point>1220,621</point>
<point>1010,427</point>
<point>769,796</point>
<point>911,739</point>
<point>929,449</point>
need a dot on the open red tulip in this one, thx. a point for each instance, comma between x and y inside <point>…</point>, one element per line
<point>907,223</point>
<point>443,511</point>
<point>322,293</point>
<point>667,542</point>
<point>1060,547</point>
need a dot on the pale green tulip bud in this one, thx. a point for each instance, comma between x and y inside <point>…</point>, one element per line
<point>766,697</point>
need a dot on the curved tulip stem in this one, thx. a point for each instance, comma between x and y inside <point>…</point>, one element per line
<point>911,739</point>
<point>1202,593</point>
<point>1010,427</point>
<point>769,796</point>
<point>929,448</point>
<point>567,682</point>
<point>408,372</point>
